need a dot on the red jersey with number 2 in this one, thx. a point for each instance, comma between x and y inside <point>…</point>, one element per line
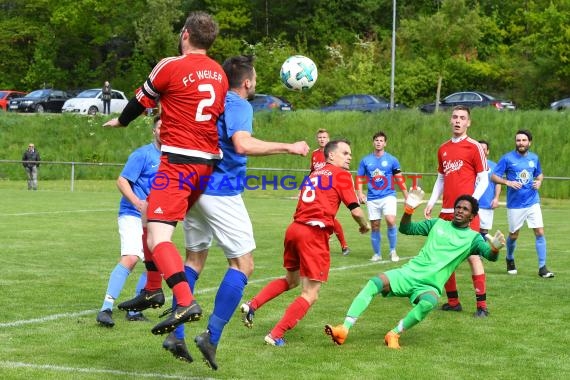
<point>318,204</point>
<point>191,89</point>
<point>459,162</point>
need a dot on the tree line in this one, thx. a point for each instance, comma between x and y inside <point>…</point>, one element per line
<point>514,49</point>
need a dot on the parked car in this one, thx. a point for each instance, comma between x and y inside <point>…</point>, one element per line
<point>470,99</point>
<point>264,102</point>
<point>7,95</point>
<point>359,102</point>
<point>89,102</point>
<point>44,100</point>
<point>560,105</point>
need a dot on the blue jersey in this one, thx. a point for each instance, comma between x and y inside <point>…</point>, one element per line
<point>139,170</point>
<point>380,172</point>
<point>523,169</point>
<point>229,174</point>
<point>489,194</point>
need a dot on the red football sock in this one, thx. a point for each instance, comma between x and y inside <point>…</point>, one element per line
<point>451,291</point>
<point>169,263</point>
<point>153,277</point>
<point>294,313</point>
<point>479,283</point>
<point>339,233</point>
<point>270,291</point>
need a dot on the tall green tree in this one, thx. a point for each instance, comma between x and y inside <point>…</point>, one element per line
<point>449,35</point>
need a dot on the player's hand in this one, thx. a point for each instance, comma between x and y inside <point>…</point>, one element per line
<point>364,229</point>
<point>300,147</point>
<point>415,197</point>
<point>427,211</point>
<point>496,241</point>
<point>113,123</point>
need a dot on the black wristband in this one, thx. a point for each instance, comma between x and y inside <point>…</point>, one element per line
<point>132,110</point>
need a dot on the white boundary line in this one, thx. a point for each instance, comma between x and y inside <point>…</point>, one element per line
<point>58,212</point>
<point>54,317</point>
<point>56,368</point>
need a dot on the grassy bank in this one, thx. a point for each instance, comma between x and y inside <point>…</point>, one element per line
<point>412,137</point>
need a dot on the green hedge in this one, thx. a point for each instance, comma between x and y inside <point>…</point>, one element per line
<point>412,137</point>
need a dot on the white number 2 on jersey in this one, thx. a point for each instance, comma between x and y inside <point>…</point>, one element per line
<point>200,115</point>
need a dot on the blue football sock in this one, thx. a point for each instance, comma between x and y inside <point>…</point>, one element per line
<point>375,239</point>
<point>116,283</point>
<point>540,244</point>
<point>140,286</point>
<point>192,277</point>
<point>141,283</point>
<point>392,233</point>
<point>226,302</point>
<point>511,245</point>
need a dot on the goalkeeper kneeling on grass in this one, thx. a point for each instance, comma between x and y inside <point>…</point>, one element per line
<point>422,279</point>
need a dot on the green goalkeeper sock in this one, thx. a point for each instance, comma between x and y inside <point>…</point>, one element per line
<point>362,300</point>
<point>427,302</point>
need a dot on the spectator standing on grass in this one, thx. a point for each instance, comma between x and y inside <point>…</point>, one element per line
<point>220,213</point>
<point>191,88</point>
<point>523,178</point>
<point>421,280</point>
<point>383,174</point>
<point>31,162</point>
<point>306,256</point>
<point>134,184</point>
<point>317,162</point>
<point>489,201</point>
<point>462,169</point>
<point>106,97</point>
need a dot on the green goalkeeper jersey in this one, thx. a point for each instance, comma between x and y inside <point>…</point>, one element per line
<point>445,248</point>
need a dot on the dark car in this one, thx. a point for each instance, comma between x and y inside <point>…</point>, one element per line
<point>263,102</point>
<point>359,102</point>
<point>7,95</point>
<point>470,99</point>
<point>44,100</point>
<point>560,105</point>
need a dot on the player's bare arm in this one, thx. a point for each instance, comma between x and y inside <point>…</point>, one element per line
<point>503,181</point>
<point>245,143</point>
<point>361,219</point>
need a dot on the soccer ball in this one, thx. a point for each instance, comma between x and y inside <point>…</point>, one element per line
<point>298,73</point>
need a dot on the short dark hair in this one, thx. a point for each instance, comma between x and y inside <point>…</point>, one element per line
<point>462,108</point>
<point>524,132</point>
<point>202,28</point>
<point>332,145</point>
<point>380,134</point>
<point>238,69</point>
<point>470,199</point>
<point>484,142</point>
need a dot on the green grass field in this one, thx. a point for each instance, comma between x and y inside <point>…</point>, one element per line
<point>59,248</point>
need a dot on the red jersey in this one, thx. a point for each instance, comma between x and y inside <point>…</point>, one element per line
<point>318,204</point>
<point>459,162</point>
<point>191,89</point>
<point>318,160</point>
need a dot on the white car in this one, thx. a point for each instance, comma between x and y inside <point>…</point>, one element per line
<point>89,102</point>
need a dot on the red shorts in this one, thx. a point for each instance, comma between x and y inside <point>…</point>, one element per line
<point>174,189</point>
<point>307,250</point>
<point>474,223</point>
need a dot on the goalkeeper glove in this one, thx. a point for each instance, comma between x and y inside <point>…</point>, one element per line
<point>496,241</point>
<point>414,199</point>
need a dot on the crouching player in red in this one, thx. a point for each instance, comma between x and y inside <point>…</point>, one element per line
<point>307,255</point>
<point>448,244</point>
